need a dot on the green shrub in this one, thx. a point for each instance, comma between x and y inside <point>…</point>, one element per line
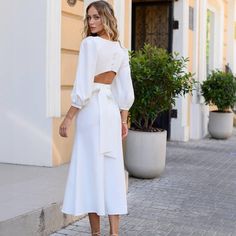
<point>158,78</point>
<point>220,90</point>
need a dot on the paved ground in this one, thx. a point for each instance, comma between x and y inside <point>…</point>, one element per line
<point>195,196</point>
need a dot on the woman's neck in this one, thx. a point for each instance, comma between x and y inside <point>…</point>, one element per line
<point>103,34</point>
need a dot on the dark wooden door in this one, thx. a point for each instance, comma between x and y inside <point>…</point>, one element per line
<point>152,23</point>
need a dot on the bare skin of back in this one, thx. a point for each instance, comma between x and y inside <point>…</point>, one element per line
<point>105,78</point>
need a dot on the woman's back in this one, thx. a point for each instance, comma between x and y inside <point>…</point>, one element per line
<point>107,54</point>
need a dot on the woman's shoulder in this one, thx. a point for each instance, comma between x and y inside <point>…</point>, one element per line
<point>97,42</point>
<point>100,40</point>
<point>125,50</point>
<point>89,44</point>
<point>88,40</point>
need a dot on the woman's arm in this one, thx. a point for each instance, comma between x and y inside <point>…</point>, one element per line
<point>67,121</point>
<point>124,92</point>
<point>124,116</point>
<point>124,124</point>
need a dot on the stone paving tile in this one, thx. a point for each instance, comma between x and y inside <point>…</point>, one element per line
<point>69,232</point>
<point>56,234</point>
<point>196,195</point>
<point>82,234</point>
<point>209,233</point>
<point>84,229</point>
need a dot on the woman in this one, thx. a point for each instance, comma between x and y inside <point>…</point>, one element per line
<point>101,97</point>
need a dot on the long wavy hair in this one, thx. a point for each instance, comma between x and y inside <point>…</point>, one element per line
<point>109,21</point>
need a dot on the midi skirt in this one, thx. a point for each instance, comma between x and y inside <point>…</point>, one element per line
<point>96,177</point>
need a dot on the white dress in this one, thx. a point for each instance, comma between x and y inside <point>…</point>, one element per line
<point>96,178</point>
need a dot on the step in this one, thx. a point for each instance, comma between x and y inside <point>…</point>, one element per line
<point>30,200</point>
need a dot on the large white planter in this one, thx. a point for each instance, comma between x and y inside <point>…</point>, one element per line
<point>145,153</point>
<point>220,124</point>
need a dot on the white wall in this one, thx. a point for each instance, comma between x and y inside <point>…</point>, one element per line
<point>234,52</point>
<point>180,129</point>
<point>25,131</point>
<point>231,52</point>
<point>119,8</point>
<point>199,112</point>
<point>179,126</point>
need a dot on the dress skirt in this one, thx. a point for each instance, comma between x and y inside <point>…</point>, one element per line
<point>96,178</point>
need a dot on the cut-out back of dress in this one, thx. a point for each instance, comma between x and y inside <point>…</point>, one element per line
<point>105,77</point>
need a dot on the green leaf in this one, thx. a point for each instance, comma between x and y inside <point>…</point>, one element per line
<point>220,90</point>
<point>158,78</point>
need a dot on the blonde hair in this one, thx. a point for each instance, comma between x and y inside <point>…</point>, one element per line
<point>109,21</point>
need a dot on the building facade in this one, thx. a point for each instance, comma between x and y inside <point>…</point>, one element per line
<point>40,45</point>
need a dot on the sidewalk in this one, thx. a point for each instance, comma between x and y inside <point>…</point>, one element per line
<point>30,200</point>
<point>195,196</point>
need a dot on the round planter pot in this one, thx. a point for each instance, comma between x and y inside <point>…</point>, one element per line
<point>220,124</point>
<point>145,153</point>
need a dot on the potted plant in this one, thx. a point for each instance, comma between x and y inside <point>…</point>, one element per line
<point>220,90</point>
<point>158,78</point>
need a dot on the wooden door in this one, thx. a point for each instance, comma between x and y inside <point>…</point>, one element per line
<point>152,23</point>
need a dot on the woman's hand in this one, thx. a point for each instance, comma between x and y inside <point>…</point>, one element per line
<point>64,127</point>
<point>124,130</point>
<point>67,121</point>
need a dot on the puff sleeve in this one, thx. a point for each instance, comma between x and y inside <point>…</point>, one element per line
<point>122,88</point>
<point>86,67</point>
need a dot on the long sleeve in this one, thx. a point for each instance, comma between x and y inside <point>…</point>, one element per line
<point>85,73</point>
<point>122,87</point>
